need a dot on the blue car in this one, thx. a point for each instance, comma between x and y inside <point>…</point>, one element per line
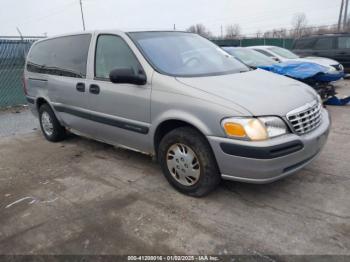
<point>315,75</point>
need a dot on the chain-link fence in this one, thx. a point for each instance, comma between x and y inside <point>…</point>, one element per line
<point>12,57</point>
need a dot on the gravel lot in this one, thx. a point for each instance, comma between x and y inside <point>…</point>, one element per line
<point>17,121</point>
<point>85,197</point>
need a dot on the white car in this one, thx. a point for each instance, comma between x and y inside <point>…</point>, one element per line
<point>284,55</point>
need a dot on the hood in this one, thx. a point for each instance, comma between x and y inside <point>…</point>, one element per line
<point>319,60</point>
<point>260,92</point>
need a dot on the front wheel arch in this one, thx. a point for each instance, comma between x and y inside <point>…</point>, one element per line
<point>187,137</point>
<point>167,126</point>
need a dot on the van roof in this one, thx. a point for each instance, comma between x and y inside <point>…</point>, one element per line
<point>109,32</point>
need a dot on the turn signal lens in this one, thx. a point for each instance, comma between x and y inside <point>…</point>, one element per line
<point>234,129</point>
<point>245,128</point>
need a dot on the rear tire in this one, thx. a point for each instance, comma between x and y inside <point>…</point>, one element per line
<point>188,163</point>
<point>50,126</point>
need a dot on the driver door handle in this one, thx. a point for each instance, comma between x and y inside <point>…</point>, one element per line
<point>80,87</point>
<point>94,89</point>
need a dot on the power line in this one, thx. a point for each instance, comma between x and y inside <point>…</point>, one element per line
<point>49,14</point>
<point>256,18</point>
<point>291,30</point>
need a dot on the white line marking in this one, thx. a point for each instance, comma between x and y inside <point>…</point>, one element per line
<point>20,200</point>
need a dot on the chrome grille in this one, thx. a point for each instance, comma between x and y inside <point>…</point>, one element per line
<point>306,118</point>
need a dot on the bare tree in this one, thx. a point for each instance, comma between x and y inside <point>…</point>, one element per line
<point>233,31</point>
<point>299,24</point>
<point>200,29</point>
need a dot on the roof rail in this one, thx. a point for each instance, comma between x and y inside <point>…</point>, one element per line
<point>19,37</point>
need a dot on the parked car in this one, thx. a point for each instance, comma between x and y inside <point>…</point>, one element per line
<point>283,55</point>
<point>250,57</point>
<point>177,96</point>
<point>312,74</point>
<point>333,46</point>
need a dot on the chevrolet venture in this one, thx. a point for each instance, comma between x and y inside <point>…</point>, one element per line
<point>177,96</point>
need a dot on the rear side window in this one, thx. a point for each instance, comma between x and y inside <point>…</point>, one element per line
<point>324,43</point>
<point>303,44</point>
<point>63,56</point>
<point>344,42</point>
<point>112,52</point>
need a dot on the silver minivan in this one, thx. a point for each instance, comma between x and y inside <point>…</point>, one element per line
<point>178,97</point>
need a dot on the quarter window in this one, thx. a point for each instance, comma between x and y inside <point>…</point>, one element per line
<point>344,42</point>
<point>324,43</point>
<point>63,56</point>
<point>112,52</point>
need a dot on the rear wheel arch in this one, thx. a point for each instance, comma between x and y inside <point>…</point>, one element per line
<point>50,125</point>
<point>41,101</point>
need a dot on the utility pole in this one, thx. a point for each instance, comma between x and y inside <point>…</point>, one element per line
<point>340,14</point>
<point>222,32</point>
<point>345,14</point>
<point>174,27</point>
<point>82,14</point>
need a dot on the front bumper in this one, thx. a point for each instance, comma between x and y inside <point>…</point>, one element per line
<point>267,161</point>
<point>330,77</point>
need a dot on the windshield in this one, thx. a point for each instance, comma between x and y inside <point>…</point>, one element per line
<point>185,54</point>
<point>250,57</point>
<point>283,52</point>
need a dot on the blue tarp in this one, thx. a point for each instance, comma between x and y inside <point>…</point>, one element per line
<point>335,101</point>
<point>303,71</point>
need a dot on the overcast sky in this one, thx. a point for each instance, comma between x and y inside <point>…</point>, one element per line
<point>36,17</point>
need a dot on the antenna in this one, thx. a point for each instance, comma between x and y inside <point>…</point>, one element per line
<point>82,14</point>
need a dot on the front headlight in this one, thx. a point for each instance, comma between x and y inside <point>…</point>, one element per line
<point>331,69</point>
<point>255,129</point>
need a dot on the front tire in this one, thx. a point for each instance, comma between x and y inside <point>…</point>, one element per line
<point>51,128</point>
<point>188,163</point>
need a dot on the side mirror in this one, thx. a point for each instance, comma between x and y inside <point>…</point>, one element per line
<point>127,76</point>
<point>276,59</point>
